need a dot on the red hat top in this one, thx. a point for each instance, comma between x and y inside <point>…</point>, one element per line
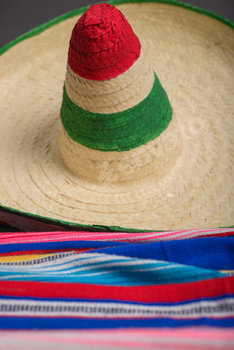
<point>103,44</point>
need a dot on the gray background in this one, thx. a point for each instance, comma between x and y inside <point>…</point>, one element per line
<point>19,16</point>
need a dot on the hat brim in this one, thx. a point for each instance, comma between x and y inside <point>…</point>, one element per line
<point>192,54</point>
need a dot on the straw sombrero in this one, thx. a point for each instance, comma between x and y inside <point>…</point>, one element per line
<point>141,133</point>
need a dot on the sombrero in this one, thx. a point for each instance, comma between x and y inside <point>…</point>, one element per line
<point>132,128</point>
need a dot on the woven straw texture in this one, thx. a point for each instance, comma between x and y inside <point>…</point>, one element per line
<point>103,44</point>
<point>112,95</point>
<point>193,57</point>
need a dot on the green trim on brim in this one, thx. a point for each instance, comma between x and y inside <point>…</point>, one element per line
<point>57,20</point>
<point>120,131</point>
<point>69,226</point>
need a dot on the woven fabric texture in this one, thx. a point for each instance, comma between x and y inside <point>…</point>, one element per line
<point>202,338</point>
<point>91,280</point>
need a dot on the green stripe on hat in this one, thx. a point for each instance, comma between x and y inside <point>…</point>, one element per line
<point>120,131</point>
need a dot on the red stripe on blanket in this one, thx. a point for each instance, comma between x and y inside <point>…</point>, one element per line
<point>154,293</point>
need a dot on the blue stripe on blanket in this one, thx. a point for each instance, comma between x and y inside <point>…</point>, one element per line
<point>107,269</point>
<point>209,253</point>
<point>72,323</point>
<point>24,247</point>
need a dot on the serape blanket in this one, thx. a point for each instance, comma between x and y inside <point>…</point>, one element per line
<point>118,290</point>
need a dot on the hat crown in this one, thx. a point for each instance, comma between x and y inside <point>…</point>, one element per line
<point>98,20</point>
<point>103,44</point>
<point>122,113</point>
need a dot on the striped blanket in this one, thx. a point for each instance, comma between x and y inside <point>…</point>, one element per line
<point>172,290</point>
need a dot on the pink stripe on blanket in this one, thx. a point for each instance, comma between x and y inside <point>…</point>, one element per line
<point>186,338</point>
<point>36,237</point>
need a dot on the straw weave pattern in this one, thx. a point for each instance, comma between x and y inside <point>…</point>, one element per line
<point>103,44</point>
<point>119,131</point>
<point>155,157</point>
<point>112,95</point>
<point>193,57</point>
